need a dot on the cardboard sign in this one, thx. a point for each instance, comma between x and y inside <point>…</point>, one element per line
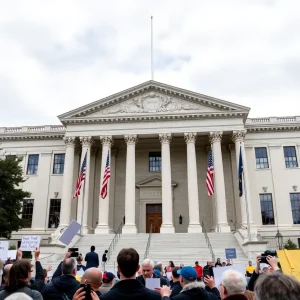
<point>152,283</point>
<point>3,250</point>
<point>218,272</point>
<point>12,254</point>
<point>290,262</point>
<point>30,242</point>
<point>230,253</point>
<point>70,232</point>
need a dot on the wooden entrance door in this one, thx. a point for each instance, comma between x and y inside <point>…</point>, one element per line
<point>154,217</point>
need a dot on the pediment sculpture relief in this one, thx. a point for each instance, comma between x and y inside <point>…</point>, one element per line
<point>151,103</point>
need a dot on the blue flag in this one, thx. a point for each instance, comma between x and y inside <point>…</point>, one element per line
<point>241,170</point>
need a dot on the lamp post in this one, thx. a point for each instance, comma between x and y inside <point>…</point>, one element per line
<point>279,238</point>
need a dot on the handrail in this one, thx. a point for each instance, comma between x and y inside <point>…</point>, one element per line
<point>208,242</point>
<point>115,240</point>
<point>148,243</point>
<point>239,225</point>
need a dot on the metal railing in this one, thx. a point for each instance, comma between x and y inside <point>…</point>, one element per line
<point>115,240</point>
<point>238,226</point>
<point>148,243</point>
<point>208,243</point>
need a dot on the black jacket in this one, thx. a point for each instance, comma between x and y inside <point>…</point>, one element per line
<point>129,290</point>
<point>252,281</point>
<point>208,270</point>
<point>39,282</point>
<point>59,286</point>
<point>176,289</point>
<point>163,281</point>
<point>81,267</point>
<point>92,260</point>
<point>198,294</point>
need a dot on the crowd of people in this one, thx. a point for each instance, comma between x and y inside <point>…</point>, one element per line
<point>266,281</point>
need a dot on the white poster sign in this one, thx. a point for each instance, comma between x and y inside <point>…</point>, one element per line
<point>30,242</point>
<point>70,232</point>
<point>152,283</point>
<point>3,250</point>
<point>218,272</point>
<point>12,254</point>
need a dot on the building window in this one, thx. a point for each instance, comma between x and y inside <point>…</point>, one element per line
<point>267,212</point>
<point>54,213</point>
<point>33,162</point>
<point>155,161</point>
<point>27,211</point>
<point>59,163</point>
<point>261,156</point>
<point>290,157</point>
<point>295,204</point>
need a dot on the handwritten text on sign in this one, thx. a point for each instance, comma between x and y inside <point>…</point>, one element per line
<point>30,242</point>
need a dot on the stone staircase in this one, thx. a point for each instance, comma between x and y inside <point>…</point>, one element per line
<point>183,248</point>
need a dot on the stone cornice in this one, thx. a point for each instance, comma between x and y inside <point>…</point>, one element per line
<point>32,137</point>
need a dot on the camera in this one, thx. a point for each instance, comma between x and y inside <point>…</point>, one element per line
<point>264,255</point>
<point>74,252</point>
<point>87,289</point>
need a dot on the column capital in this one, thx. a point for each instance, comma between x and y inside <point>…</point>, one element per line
<point>131,139</point>
<point>106,140</point>
<point>190,137</point>
<point>86,141</point>
<point>69,141</point>
<point>215,136</point>
<point>165,138</point>
<point>238,136</point>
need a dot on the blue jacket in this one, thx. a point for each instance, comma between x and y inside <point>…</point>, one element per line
<point>92,260</point>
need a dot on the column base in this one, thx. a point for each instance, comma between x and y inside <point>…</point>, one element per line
<point>194,228</point>
<point>167,229</point>
<point>102,229</point>
<point>87,229</point>
<point>223,227</point>
<point>129,228</point>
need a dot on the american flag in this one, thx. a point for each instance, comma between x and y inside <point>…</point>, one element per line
<point>106,176</point>
<point>81,178</point>
<point>210,175</point>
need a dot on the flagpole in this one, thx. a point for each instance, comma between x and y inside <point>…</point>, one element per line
<point>246,198</point>
<point>82,209</point>
<point>152,72</point>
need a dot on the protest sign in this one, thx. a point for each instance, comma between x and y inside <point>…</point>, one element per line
<point>290,262</point>
<point>3,250</point>
<point>230,253</point>
<point>218,272</point>
<point>70,232</point>
<point>169,275</point>
<point>12,254</point>
<point>30,242</point>
<point>152,283</point>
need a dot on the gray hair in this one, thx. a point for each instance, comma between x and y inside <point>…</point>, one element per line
<point>277,286</point>
<point>18,296</point>
<point>234,282</point>
<point>69,265</point>
<point>148,261</point>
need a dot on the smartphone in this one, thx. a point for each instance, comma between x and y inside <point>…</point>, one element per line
<point>87,288</point>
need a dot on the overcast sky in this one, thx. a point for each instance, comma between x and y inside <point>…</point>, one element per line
<point>58,55</point>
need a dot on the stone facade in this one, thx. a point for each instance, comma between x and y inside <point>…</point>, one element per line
<point>182,125</point>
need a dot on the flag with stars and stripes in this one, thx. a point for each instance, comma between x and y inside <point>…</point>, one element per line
<point>106,176</point>
<point>210,175</point>
<point>81,178</point>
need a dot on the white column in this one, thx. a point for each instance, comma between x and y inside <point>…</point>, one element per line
<point>130,226</point>
<point>238,137</point>
<point>65,211</point>
<point>221,212</point>
<point>86,143</point>
<point>167,203</point>
<point>194,224</point>
<point>103,226</point>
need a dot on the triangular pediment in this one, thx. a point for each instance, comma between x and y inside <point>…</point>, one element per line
<point>153,99</point>
<point>153,182</point>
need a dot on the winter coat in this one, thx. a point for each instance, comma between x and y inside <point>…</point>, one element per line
<point>236,297</point>
<point>35,295</point>
<point>92,260</point>
<point>176,289</point>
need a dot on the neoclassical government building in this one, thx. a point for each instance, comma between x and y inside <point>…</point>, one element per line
<point>158,138</point>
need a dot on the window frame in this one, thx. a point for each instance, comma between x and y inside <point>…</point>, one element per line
<point>261,162</point>
<point>37,164</point>
<point>290,161</point>
<point>58,164</point>
<point>293,209</point>
<point>53,213</point>
<point>154,164</point>
<point>30,201</point>
<point>263,195</point>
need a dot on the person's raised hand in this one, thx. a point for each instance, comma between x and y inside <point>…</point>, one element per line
<point>165,291</point>
<point>80,294</point>
<point>49,268</point>
<point>272,261</point>
<point>67,255</point>
<point>94,296</point>
<point>37,254</point>
<point>19,254</point>
<point>210,282</point>
<point>258,260</point>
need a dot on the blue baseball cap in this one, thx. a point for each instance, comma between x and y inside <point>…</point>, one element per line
<point>157,272</point>
<point>188,273</point>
